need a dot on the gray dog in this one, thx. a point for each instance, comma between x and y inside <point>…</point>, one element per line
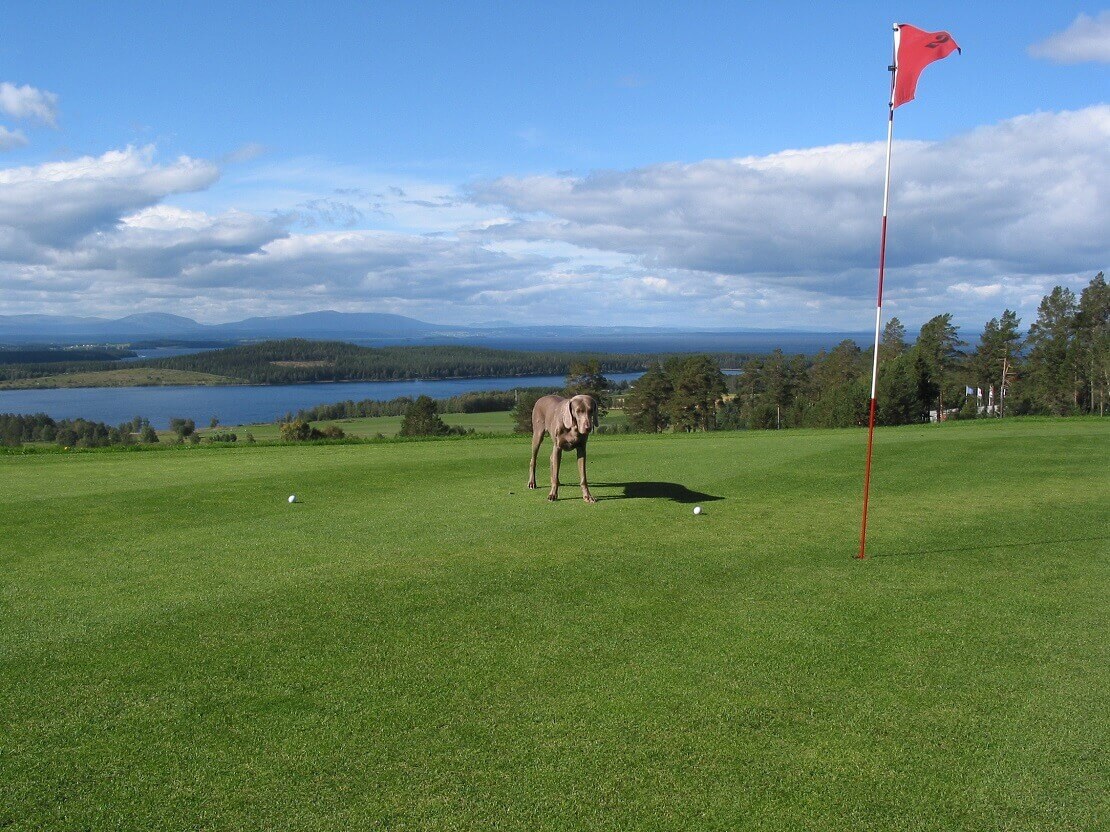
<point>569,421</point>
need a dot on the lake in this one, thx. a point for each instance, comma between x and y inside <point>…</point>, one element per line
<point>240,405</point>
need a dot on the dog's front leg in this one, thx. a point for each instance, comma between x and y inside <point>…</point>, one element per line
<point>556,458</point>
<point>586,495</point>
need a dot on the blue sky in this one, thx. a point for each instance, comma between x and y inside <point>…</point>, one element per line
<point>561,162</point>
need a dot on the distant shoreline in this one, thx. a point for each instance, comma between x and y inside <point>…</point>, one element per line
<point>175,378</point>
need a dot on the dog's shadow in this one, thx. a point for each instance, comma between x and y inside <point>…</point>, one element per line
<point>673,491</point>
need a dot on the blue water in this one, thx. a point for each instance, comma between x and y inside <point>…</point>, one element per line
<point>242,405</point>
<point>165,352</point>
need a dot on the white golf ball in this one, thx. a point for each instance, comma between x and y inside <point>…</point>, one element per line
<point>292,498</point>
<point>697,509</point>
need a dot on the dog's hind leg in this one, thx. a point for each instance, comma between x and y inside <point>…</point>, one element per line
<point>537,440</point>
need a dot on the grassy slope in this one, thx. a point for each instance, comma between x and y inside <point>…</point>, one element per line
<point>496,422</point>
<point>425,644</point>
<point>124,377</point>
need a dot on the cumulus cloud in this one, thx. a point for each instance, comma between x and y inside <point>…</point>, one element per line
<point>29,103</point>
<point>987,219</point>
<point>11,139</point>
<point>1086,39</point>
<point>162,242</point>
<point>1024,196</point>
<point>58,203</point>
<point>370,264</point>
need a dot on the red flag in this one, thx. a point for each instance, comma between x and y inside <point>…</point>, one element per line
<point>914,50</point>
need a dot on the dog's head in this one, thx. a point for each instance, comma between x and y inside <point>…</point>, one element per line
<point>581,413</point>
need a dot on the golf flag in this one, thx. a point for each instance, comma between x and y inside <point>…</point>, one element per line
<point>913,51</point>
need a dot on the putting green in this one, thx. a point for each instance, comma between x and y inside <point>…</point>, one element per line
<point>422,643</point>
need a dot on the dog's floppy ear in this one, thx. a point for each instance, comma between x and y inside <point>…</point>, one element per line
<point>568,416</point>
<point>593,411</point>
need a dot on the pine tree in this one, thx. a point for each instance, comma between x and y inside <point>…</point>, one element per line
<point>584,378</point>
<point>422,419</point>
<point>699,386</point>
<point>998,351</point>
<point>1052,352</point>
<point>894,340</point>
<point>522,411</point>
<point>1093,347</point>
<point>648,402</point>
<point>938,348</point>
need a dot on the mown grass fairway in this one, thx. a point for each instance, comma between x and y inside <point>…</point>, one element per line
<point>493,422</point>
<point>425,644</point>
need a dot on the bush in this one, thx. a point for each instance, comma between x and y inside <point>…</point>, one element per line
<point>421,419</point>
<point>522,413</point>
<point>298,430</point>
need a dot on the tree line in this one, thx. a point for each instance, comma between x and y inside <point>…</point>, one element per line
<point>1061,366</point>
<point>489,401</point>
<point>682,392</point>
<point>15,429</point>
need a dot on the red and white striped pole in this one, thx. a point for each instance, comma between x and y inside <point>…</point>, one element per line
<point>878,309</point>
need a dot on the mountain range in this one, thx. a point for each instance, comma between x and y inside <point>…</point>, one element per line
<point>377,328</point>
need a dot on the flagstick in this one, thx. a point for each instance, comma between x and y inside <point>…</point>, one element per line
<point>878,319</point>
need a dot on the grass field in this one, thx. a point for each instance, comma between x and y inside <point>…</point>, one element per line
<point>495,422</point>
<point>422,643</point>
<point>123,377</point>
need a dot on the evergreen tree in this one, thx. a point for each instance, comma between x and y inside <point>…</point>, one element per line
<point>938,346</point>
<point>898,401</point>
<point>1051,368</point>
<point>422,419</point>
<point>894,340</point>
<point>836,387</point>
<point>1093,347</point>
<point>998,351</point>
<point>522,412</point>
<point>584,378</point>
<point>648,403</point>
<point>699,386</point>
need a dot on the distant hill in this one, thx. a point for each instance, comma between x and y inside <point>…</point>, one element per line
<point>146,326</point>
<point>298,361</point>
<point>383,329</point>
<point>326,324</point>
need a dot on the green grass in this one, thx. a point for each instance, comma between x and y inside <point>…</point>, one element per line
<point>496,422</point>
<point>422,643</point>
<point>124,377</point>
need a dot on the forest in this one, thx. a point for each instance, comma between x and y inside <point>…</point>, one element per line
<point>1060,366</point>
<point>298,361</point>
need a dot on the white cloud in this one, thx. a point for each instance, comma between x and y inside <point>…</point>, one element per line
<point>162,242</point>
<point>1086,39</point>
<point>1023,196</point>
<point>58,203</point>
<point>11,139</point>
<point>30,103</point>
<point>983,220</point>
